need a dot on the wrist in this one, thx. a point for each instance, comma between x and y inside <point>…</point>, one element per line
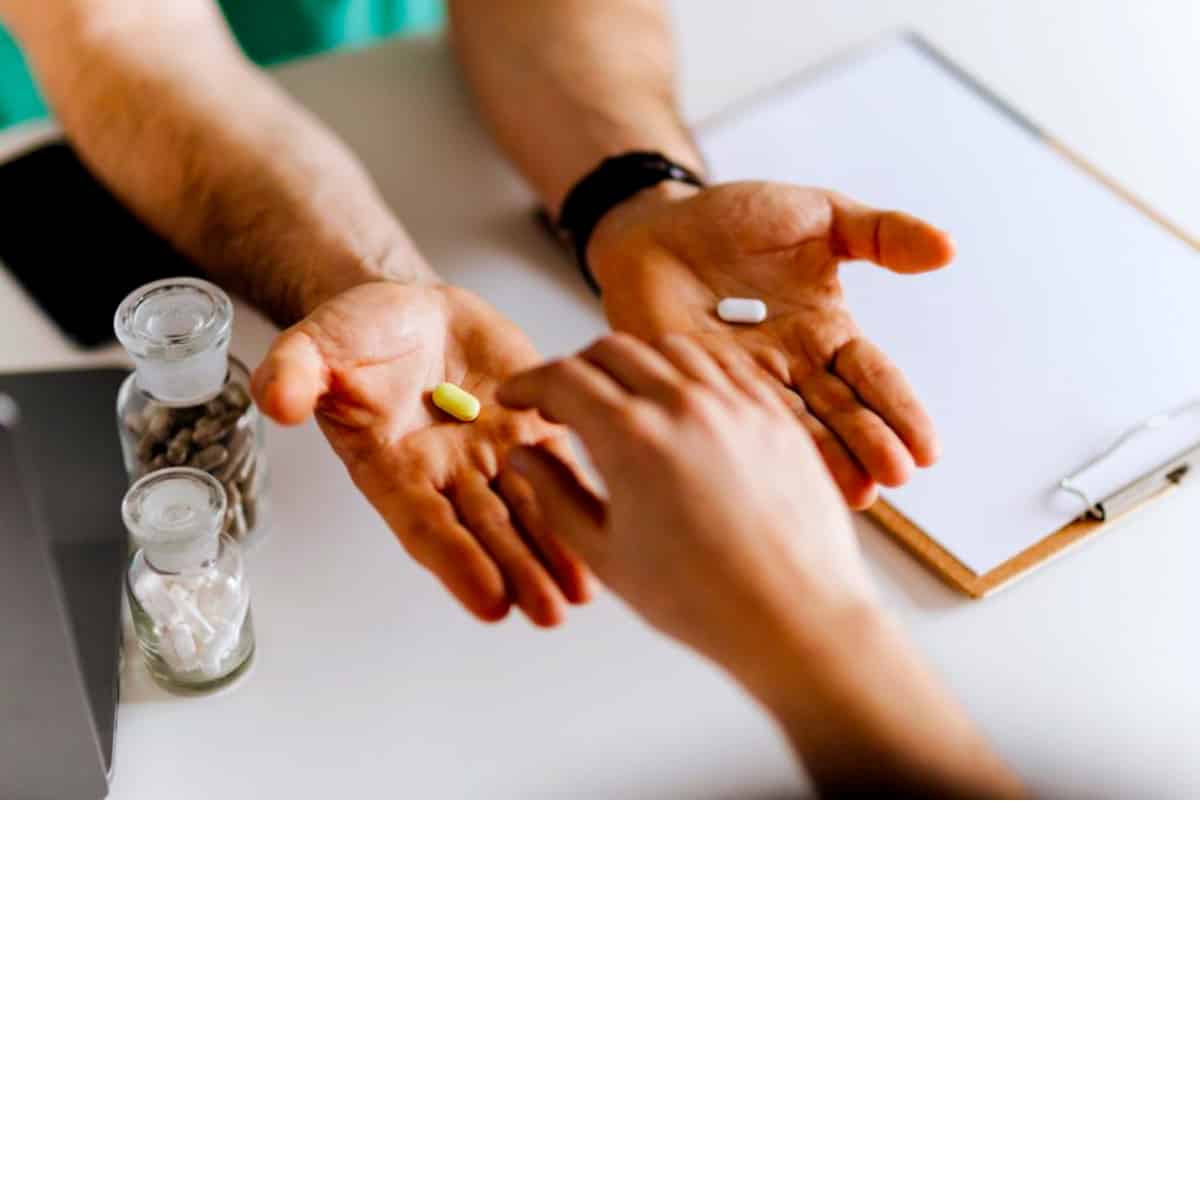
<point>611,237</point>
<point>797,655</point>
<point>401,265</point>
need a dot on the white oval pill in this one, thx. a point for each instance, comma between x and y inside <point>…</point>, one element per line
<point>737,310</point>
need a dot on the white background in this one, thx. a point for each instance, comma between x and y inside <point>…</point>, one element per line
<point>582,1002</point>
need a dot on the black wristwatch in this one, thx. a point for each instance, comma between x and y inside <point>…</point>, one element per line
<point>613,182</point>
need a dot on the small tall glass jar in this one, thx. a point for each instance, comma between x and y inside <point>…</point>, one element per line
<point>188,402</point>
<point>187,585</point>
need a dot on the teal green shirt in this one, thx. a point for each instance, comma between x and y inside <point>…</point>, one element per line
<point>269,33</point>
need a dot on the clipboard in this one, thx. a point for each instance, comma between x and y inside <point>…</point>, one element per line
<point>1103,512</point>
<point>854,109</point>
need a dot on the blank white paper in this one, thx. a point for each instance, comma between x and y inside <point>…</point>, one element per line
<point>1068,316</point>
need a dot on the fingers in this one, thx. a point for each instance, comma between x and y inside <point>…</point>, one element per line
<point>569,570</point>
<point>878,448</point>
<point>485,514</point>
<point>754,383</point>
<point>856,446</point>
<point>856,485</point>
<point>430,530</point>
<point>894,240</point>
<point>750,379</point>
<point>291,379</point>
<point>572,512</point>
<point>637,367</point>
<point>882,385</point>
<point>570,392</point>
<point>726,370</point>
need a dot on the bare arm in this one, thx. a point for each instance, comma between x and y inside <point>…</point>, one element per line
<point>566,83</point>
<point>162,105</point>
<point>864,712</point>
<point>750,560</point>
<point>205,148</point>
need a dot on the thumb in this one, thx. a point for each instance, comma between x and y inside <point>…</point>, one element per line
<point>571,510</point>
<point>895,240</point>
<point>291,379</point>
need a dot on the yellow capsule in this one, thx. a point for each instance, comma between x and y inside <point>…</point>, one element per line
<point>454,400</point>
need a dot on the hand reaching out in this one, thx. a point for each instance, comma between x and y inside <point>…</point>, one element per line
<point>365,362</point>
<point>667,257</point>
<point>723,528</point>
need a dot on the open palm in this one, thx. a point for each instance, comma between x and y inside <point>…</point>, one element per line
<point>664,263</point>
<point>365,363</point>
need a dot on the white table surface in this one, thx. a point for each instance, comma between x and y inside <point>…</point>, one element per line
<point>370,682</point>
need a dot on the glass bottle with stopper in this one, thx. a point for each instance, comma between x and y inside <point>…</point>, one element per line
<point>187,402</point>
<point>186,583</point>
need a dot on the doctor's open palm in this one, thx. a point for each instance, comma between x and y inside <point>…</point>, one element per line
<point>667,257</point>
<point>365,363</point>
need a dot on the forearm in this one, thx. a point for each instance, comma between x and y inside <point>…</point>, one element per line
<point>566,83</point>
<point>866,715</point>
<point>161,104</point>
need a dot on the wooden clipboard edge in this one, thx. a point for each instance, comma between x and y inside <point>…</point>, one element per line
<point>959,576</point>
<point>956,573</point>
<point>1124,193</point>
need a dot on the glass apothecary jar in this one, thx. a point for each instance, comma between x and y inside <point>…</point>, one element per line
<point>186,583</point>
<point>187,402</point>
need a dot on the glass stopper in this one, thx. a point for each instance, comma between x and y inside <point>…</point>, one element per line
<point>176,516</point>
<point>177,331</point>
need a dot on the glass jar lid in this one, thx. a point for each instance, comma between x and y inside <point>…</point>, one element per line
<point>177,331</point>
<point>176,515</point>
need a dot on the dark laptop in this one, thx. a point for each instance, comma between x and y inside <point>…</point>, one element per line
<point>63,552</point>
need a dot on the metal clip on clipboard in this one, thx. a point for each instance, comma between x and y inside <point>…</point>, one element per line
<point>1128,497</point>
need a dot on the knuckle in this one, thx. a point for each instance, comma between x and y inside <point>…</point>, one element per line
<point>620,340</point>
<point>493,521</point>
<point>872,372</point>
<point>504,426</point>
<point>693,399</point>
<point>573,372</point>
<point>672,344</point>
<point>603,345</point>
<point>863,426</point>
<point>421,529</point>
<point>540,377</point>
<point>642,426</point>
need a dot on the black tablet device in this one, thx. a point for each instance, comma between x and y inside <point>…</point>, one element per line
<point>73,246</point>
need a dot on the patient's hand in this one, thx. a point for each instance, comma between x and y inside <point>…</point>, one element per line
<point>723,528</point>
<point>365,363</point>
<point>665,258</point>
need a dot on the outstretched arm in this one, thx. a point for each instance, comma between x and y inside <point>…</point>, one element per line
<point>211,153</point>
<point>566,83</point>
<point>750,559</point>
<point>162,105</point>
